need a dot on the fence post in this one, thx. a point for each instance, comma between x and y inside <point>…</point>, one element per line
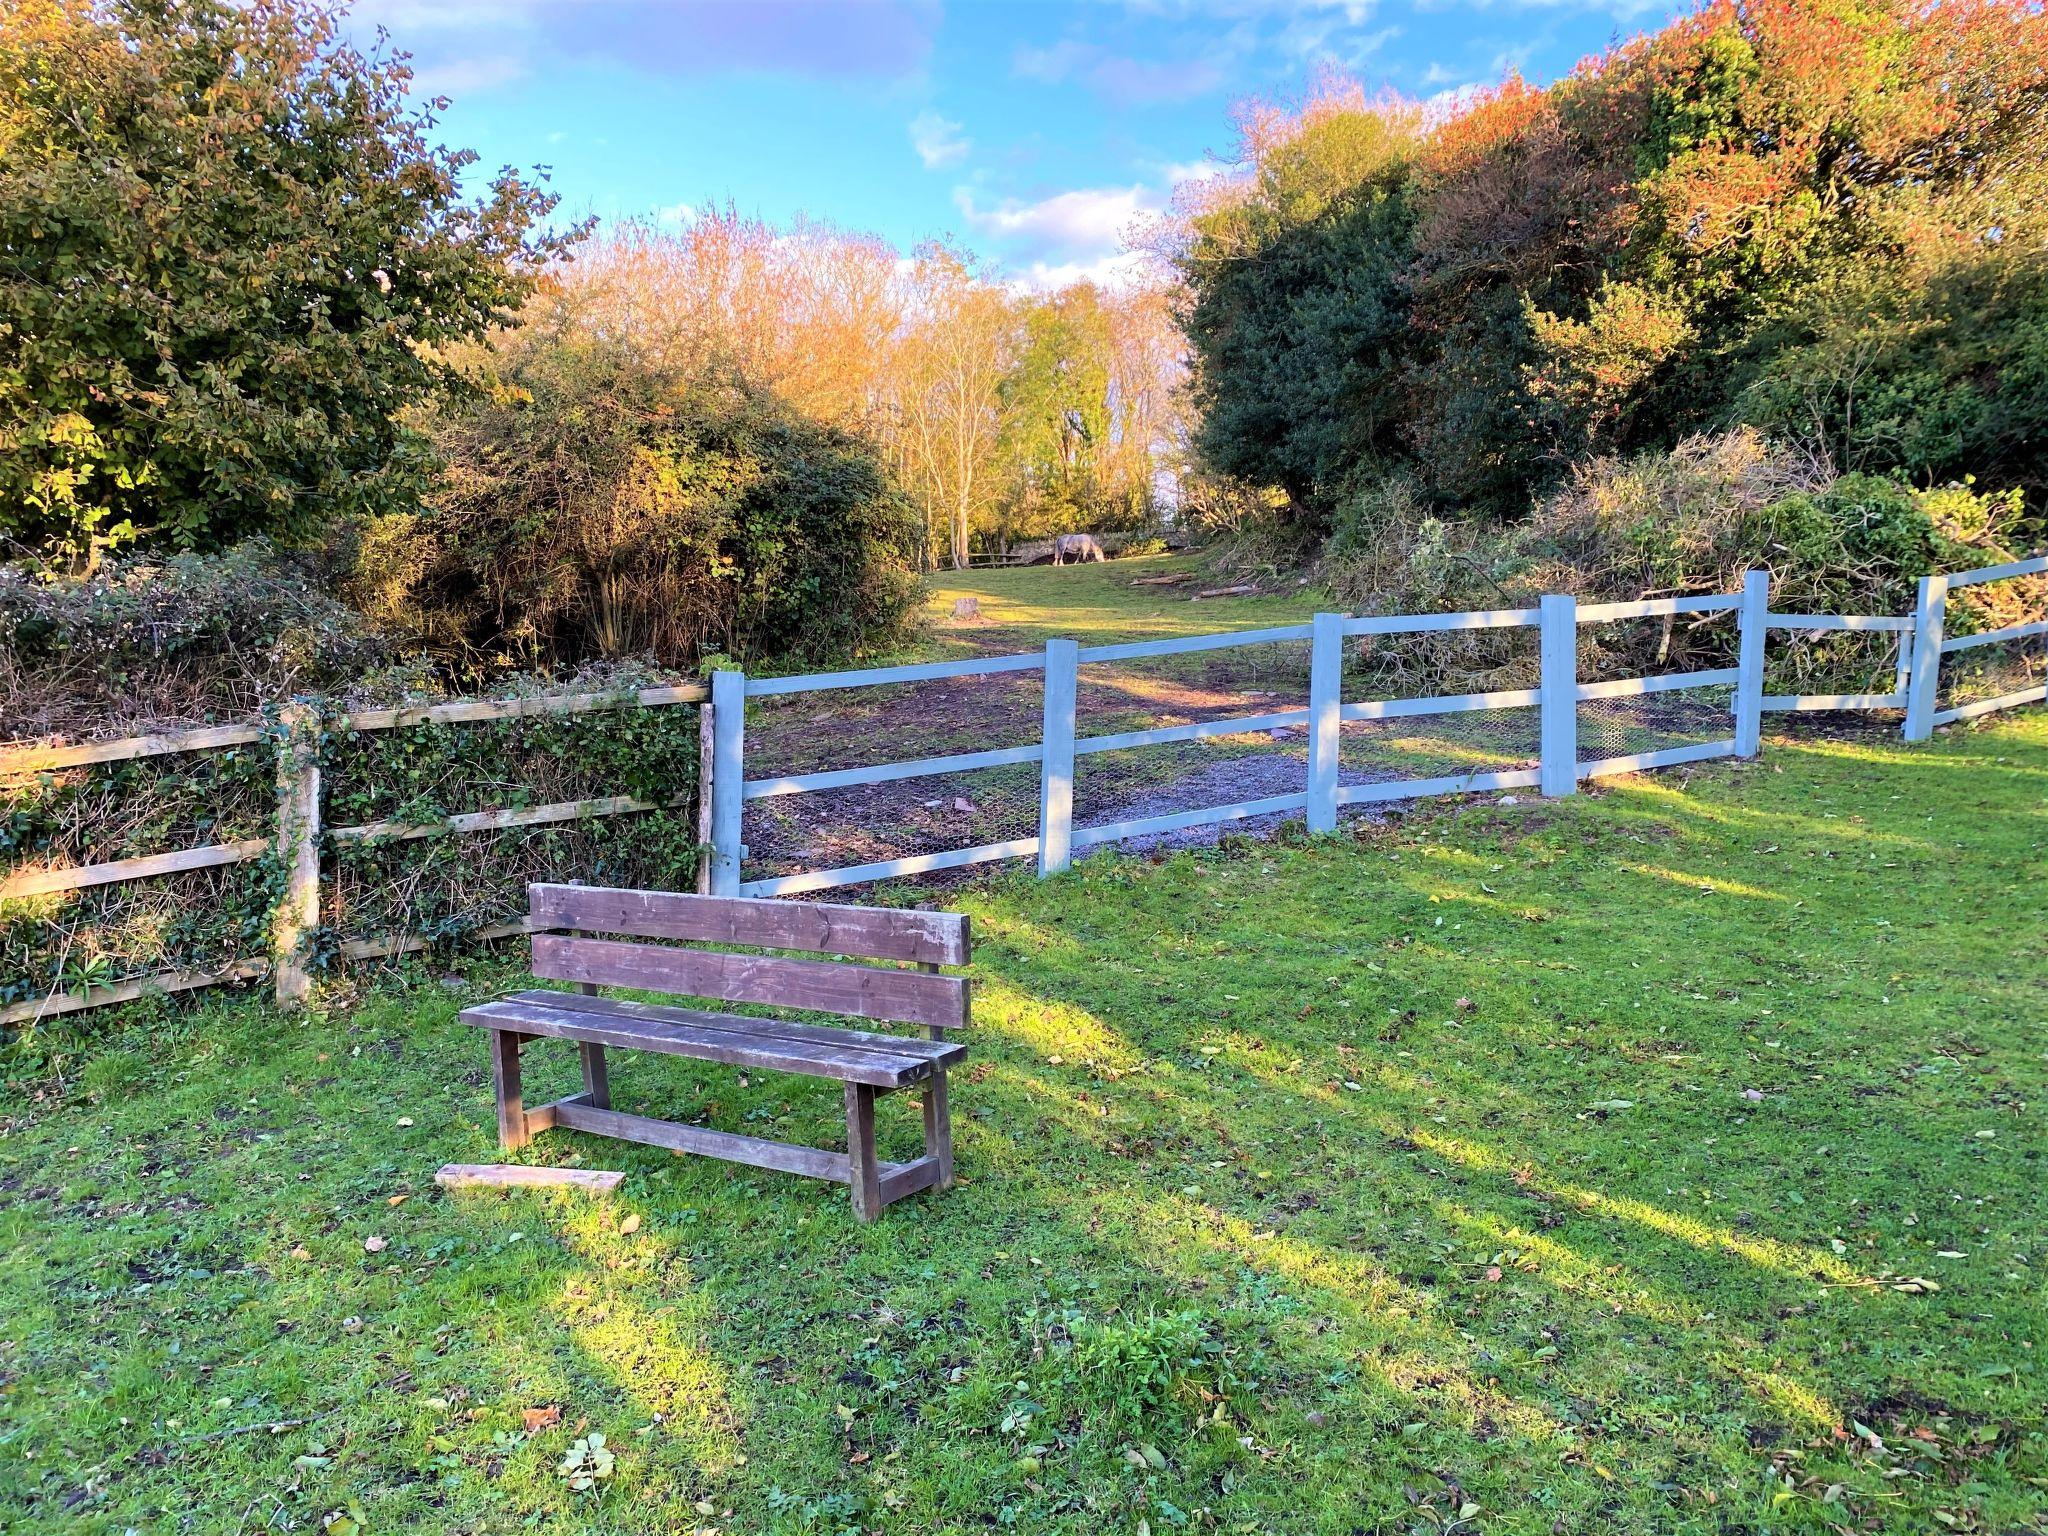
<point>728,778</point>
<point>1325,719</point>
<point>1923,681</point>
<point>1559,695</point>
<point>706,739</point>
<point>297,849</point>
<point>1755,617</point>
<point>1056,769</point>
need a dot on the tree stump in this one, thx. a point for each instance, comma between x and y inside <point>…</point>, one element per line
<point>967,608</point>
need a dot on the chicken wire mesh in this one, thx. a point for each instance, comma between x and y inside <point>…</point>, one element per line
<point>827,731</point>
<point>1992,671</point>
<point>1655,722</point>
<point>1201,687</point>
<point>1465,743</point>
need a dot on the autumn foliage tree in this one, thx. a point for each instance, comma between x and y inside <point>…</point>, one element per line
<point>1824,217</point>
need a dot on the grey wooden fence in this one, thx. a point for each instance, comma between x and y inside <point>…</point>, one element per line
<point>1557,700</point>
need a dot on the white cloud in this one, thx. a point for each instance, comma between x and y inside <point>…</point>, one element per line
<point>1105,272</point>
<point>938,140</point>
<point>1182,171</point>
<point>466,77</point>
<point>1089,221</point>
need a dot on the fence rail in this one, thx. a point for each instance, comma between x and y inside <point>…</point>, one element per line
<point>300,834</point>
<point>1556,767</point>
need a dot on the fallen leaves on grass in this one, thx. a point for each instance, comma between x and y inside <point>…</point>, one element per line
<point>537,1419</point>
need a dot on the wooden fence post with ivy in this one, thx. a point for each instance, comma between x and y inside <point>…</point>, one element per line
<point>297,849</point>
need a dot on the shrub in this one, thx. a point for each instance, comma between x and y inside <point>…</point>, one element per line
<point>1683,522</point>
<point>163,641</point>
<point>595,506</point>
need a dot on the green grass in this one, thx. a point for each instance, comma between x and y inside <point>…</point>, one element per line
<point>1565,1167</point>
<point>1025,606</point>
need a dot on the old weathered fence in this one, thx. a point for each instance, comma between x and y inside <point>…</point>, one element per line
<point>296,844</point>
<point>1050,710</point>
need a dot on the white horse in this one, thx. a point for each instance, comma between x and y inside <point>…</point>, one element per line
<point>1078,547</point>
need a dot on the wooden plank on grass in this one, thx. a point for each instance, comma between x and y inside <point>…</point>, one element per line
<point>590,1181</point>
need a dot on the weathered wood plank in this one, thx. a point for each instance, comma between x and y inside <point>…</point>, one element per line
<point>51,1005</point>
<point>48,759</point>
<point>505,1088</point>
<point>41,882</point>
<point>938,1128</point>
<point>471,711</point>
<point>298,847</point>
<point>781,1156</point>
<point>593,1181</point>
<point>900,1179</point>
<point>861,991</point>
<point>862,1175</point>
<point>709,1037</point>
<point>493,821</point>
<point>935,1050</point>
<point>872,933</point>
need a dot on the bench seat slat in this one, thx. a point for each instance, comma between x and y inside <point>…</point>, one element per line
<point>860,991</point>
<point>724,1038</point>
<point>871,933</point>
<point>937,1051</point>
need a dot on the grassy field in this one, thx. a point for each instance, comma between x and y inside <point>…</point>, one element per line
<point>1666,1160</point>
<point>1024,607</point>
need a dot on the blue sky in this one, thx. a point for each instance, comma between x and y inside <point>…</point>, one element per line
<point>1035,134</point>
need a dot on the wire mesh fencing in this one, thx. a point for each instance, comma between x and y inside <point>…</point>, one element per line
<point>805,735</point>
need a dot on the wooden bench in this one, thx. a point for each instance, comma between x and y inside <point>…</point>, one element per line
<point>869,1063</point>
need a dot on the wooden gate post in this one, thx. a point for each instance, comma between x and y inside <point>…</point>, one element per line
<point>297,849</point>
<point>1923,679</point>
<point>728,779</point>
<point>1749,677</point>
<point>1056,768</point>
<point>1558,704</point>
<point>1325,719</point>
<point>706,744</point>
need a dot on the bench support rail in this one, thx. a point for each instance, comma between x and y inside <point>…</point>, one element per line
<point>875,1183</point>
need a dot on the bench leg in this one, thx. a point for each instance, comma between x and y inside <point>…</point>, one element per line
<point>597,1083</point>
<point>938,1126</point>
<point>512,1132</point>
<point>865,1171</point>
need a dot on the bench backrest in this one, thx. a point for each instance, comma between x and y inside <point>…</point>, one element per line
<point>562,914</point>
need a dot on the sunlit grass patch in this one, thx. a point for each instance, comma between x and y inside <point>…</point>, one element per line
<point>1481,1157</point>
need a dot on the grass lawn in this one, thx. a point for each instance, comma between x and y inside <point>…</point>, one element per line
<point>1664,1160</point>
<point>1024,606</point>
